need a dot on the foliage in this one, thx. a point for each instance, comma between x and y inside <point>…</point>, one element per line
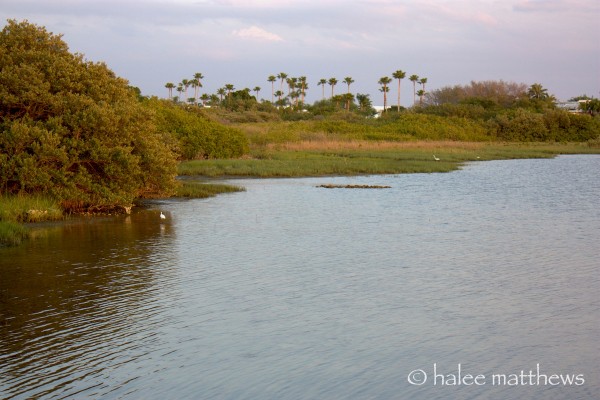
<point>552,125</point>
<point>197,136</point>
<point>494,93</point>
<point>73,130</point>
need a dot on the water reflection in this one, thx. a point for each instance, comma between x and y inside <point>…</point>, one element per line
<point>70,297</point>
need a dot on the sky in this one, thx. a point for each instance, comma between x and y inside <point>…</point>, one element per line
<point>450,42</point>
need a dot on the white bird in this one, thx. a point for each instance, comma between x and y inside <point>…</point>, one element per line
<point>162,216</point>
<point>435,158</point>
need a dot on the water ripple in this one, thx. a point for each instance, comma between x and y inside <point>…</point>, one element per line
<point>288,291</point>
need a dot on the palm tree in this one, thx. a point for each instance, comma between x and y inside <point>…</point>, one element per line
<point>256,89</point>
<point>423,81</point>
<point>221,92</point>
<point>421,93</point>
<point>536,91</point>
<point>180,89</point>
<point>272,79</point>
<point>198,78</point>
<point>384,81</point>
<point>205,97</point>
<point>279,93</point>
<point>349,98</point>
<point>170,86</point>
<point>303,88</point>
<point>399,75</point>
<point>414,79</point>
<point>322,82</point>
<point>294,95</point>
<point>282,76</point>
<point>291,82</point>
<point>195,83</point>
<point>332,82</point>
<point>348,81</point>
<point>364,101</point>
<point>186,84</point>
<point>229,88</point>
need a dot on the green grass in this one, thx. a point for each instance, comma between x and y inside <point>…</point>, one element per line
<point>197,190</point>
<point>12,233</point>
<point>351,159</point>
<point>25,208</point>
<point>15,210</point>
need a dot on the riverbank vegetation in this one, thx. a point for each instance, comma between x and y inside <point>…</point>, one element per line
<point>80,138</point>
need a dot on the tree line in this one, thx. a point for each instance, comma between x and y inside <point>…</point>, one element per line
<point>294,92</point>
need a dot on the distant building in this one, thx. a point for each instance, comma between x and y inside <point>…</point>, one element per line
<point>379,110</point>
<point>571,106</point>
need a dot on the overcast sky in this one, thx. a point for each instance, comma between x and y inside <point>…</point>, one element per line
<point>242,42</point>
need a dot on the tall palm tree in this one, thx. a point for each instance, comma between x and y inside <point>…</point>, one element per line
<point>221,92</point>
<point>423,81</point>
<point>322,82</point>
<point>282,76</point>
<point>186,84</point>
<point>198,77</point>
<point>180,89</point>
<point>332,82</point>
<point>349,98</point>
<point>170,86</point>
<point>195,83</point>
<point>348,81</point>
<point>229,88</point>
<point>272,79</point>
<point>399,75</point>
<point>384,82</point>
<point>291,82</point>
<point>303,88</point>
<point>279,93</point>
<point>414,79</point>
<point>256,89</point>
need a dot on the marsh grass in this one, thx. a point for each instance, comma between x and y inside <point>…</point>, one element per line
<point>29,208</point>
<point>12,233</point>
<point>356,157</point>
<point>198,190</point>
<point>15,210</point>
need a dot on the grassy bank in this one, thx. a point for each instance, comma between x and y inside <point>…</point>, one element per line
<point>196,190</point>
<point>15,210</point>
<point>355,157</point>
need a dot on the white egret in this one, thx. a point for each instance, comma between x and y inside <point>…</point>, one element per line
<point>435,158</point>
<point>162,216</point>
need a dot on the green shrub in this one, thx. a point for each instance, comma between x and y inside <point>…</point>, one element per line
<point>196,136</point>
<point>71,129</point>
<point>521,125</point>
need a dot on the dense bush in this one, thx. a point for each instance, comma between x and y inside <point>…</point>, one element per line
<point>196,136</point>
<point>73,130</point>
<point>552,125</point>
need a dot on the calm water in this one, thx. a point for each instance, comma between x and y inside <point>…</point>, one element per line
<point>289,291</point>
